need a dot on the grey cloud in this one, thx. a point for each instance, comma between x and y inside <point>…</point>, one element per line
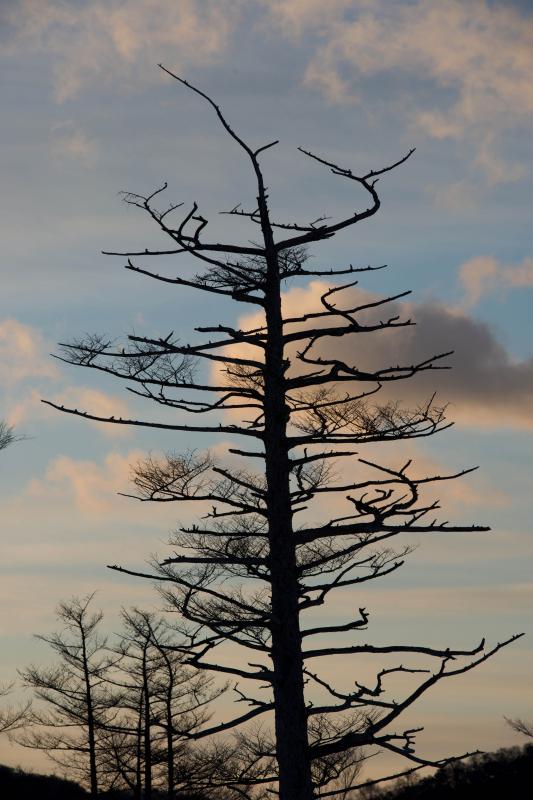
<point>485,385</point>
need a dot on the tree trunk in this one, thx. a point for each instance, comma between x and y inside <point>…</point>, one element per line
<point>138,754</point>
<point>292,749</point>
<point>170,737</point>
<point>90,719</point>
<point>147,734</point>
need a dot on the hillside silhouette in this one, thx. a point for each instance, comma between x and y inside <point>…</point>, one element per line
<point>15,784</point>
<point>503,773</point>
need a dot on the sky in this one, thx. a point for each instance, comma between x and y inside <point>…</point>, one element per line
<point>87,113</point>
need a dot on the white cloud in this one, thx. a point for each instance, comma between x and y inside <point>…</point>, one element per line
<point>483,275</point>
<point>119,40</point>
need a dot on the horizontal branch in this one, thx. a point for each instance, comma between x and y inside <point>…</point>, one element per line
<point>368,648</point>
<point>225,726</point>
<point>159,425</point>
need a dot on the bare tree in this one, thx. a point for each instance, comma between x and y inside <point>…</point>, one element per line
<point>7,435</point>
<point>521,726</point>
<point>160,703</point>
<point>250,573</point>
<point>12,718</point>
<point>74,692</point>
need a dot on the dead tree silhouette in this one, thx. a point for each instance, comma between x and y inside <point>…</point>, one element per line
<point>251,572</point>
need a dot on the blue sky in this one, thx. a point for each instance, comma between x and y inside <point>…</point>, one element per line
<point>87,114</point>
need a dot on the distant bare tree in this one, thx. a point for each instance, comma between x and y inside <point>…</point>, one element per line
<point>249,575</point>
<point>160,704</point>
<point>7,435</point>
<point>518,725</point>
<point>12,718</point>
<point>74,693</point>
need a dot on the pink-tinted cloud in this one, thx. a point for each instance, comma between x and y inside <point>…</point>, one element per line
<point>30,409</point>
<point>484,275</point>
<point>87,486</point>
<point>23,354</point>
<point>27,374</point>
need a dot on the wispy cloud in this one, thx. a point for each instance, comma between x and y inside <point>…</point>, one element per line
<point>456,197</point>
<point>71,142</point>
<point>87,486</point>
<point>119,40</point>
<point>28,374</point>
<point>30,408</point>
<point>479,57</point>
<point>296,17</point>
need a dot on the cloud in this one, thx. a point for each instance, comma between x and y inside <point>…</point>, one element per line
<point>486,386</point>
<point>502,598</point>
<point>30,408</point>
<point>69,141</point>
<point>457,197</point>
<point>119,40</point>
<point>478,56</point>
<point>94,489</point>
<point>297,16</point>
<point>23,354</point>
<point>484,274</point>
<point>25,362</point>
<point>88,486</point>
<point>496,168</point>
<point>100,404</point>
